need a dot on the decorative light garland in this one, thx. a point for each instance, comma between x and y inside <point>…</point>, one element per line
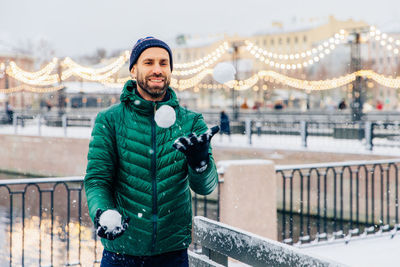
<point>314,54</point>
<point>188,83</point>
<point>97,74</point>
<point>220,50</point>
<point>41,77</point>
<point>248,83</point>
<point>245,84</point>
<point>384,40</point>
<point>32,89</point>
<point>45,71</point>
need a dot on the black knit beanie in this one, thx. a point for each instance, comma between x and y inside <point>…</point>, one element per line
<point>144,43</point>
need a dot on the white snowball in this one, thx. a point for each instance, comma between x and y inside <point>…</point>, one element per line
<point>165,116</point>
<point>111,219</point>
<point>224,72</point>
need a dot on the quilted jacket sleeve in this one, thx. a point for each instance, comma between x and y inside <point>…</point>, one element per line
<point>101,166</point>
<point>203,183</point>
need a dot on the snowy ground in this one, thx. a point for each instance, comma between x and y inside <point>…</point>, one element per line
<point>379,250</point>
<point>373,251</point>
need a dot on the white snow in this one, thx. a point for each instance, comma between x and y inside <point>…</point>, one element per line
<point>111,219</point>
<point>371,251</point>
<point>224,72</point>
<point>165,116</point>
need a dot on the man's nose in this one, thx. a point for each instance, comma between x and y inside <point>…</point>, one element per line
<point>157,69</point>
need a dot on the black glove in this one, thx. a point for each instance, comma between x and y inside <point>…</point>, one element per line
<point>101,230</point>
<point>196,147</point>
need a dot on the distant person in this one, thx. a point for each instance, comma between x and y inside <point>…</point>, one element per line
<point>225,124</point>
<point>257,105</point>
<point>342,105</point>
<point>244,105</point>
<point>379,105</point>
<point>278,105</point>
<point>48,105</point>
<point>9,112</point>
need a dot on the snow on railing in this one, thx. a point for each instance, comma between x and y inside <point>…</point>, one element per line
<point>220,241</point>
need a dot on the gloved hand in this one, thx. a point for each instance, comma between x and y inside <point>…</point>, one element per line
<point>196,147</point>
<point>110,234</point>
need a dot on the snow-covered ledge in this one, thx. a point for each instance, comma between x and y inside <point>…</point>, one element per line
<point>220,241</point>
<point>248,196</point>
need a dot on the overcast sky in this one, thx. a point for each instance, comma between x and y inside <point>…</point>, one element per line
<point>76,27</point>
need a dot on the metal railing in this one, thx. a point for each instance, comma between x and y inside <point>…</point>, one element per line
<point>45,222</point>
<point>220,241</point>
<point>320,201</point>
<point>368,134</point>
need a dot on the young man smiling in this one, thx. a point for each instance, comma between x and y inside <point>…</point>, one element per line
<point>141,174</point>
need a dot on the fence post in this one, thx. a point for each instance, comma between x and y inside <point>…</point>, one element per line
<point>258,126</point>
<point>92,121</point>
<point>369,134</point>
<point>39,124</point>
<point>304,133</point>
<point>258,200</point>
<point>15,123</point>
<point>248,129</point>
<point>64,123</point>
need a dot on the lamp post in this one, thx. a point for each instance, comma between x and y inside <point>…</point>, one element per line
<point>235,52</point>
<point>60,93</point>
<point>356,65</point>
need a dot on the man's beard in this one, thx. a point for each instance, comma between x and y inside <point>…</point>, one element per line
<point>153,91</point>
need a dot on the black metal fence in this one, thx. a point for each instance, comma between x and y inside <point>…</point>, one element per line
<point>45,222</point>
<point>335,200</point>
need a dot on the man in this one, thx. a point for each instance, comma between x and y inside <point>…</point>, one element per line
<point>139,173</point>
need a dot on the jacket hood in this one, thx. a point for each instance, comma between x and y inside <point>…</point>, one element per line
<point>131,98</point>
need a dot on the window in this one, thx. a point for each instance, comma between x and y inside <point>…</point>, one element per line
<point>272,42</point>
<point>305,39</point>
<point>296,39</point>
<point>280,41</point>
<point>288,40</point>
<point>265,42</point>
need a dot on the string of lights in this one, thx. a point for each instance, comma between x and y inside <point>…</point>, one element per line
<point>272,76</point>
<point>86,71</point>
<point>299,59</point>
<point>32,89</point>
<point>220,50</point>
<point>43,73</point>
<point>385,40</point>
<point>181,84</point>
<point>245,84</point>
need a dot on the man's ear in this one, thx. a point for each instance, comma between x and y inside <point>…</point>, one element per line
<point>133,71</point>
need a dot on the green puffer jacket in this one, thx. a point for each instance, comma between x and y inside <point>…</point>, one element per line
<point>133,168</point>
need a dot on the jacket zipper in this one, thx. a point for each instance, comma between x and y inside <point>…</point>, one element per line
<point>154,180</point>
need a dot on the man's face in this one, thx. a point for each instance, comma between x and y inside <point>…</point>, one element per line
<point>153,73</point>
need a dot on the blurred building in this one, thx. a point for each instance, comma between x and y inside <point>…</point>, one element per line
<point>25,62</point>
<point>283,39</point>
<point>383,51</point>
